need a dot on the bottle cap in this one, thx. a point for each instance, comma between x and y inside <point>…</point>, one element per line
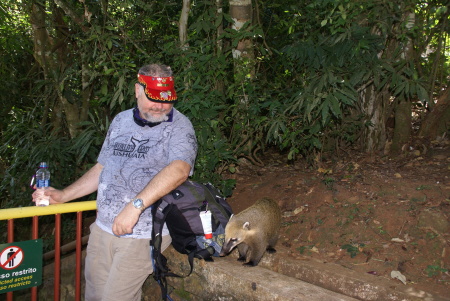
<point>43,165</point>
<point>208,236</point>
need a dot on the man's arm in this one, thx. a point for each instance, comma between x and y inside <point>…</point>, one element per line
<point>85,185</point>
<point>169,178</point>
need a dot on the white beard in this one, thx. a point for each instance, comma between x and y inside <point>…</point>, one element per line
<point>158,118</point>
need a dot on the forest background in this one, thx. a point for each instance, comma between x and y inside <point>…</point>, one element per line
<point>315,79</point>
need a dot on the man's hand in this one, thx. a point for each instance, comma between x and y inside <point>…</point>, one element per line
<point>56,195</point>
<point>126,220</point>
<point>85,185</point>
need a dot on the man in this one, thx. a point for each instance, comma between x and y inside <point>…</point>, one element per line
<point>148,152</point>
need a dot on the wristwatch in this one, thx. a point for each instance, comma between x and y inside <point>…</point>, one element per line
<point>138,204</point>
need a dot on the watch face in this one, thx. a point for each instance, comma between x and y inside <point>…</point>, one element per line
<point>138,203</point>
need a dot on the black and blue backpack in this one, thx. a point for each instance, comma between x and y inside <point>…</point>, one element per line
<point>180,210</point>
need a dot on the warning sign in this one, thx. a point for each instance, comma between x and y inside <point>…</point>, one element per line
<point>20,265</point>
<point>11,257</point>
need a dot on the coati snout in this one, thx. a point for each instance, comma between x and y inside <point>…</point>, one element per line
<point>254,231</point>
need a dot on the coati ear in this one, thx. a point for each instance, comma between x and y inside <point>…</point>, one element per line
<point>246,226</point>
<point>231,216</point>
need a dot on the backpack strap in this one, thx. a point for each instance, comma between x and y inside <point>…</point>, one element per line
<point>159,216</point>
<point>160,275</point>
<point>159,261</point>
<point>205,254</point>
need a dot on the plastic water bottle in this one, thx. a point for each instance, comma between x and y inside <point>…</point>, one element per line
<point>42,184</point>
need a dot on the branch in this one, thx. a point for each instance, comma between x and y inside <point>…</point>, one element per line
<point>261,25</point>
<point>183,23</point>
<point>72,14</point>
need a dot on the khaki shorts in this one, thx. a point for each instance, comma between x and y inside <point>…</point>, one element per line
<point>115,267</point>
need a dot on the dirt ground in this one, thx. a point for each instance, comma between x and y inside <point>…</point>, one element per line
<point>371,214</point>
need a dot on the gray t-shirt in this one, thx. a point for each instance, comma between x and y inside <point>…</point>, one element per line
<point>131,156</point>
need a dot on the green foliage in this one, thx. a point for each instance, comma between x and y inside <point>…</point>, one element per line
<point>15,59</point>
<point>434,270</point>
<point>329,182</point>
<point>329,69</point>
<point>302,91</point>
<point>26,145</point>
<point>353,249</point>
<point>302,249</point>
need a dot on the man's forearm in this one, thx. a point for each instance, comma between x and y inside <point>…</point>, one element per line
<point>88,183</point>
<point>164,182</point>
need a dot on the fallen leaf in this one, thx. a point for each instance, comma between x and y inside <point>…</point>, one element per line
<point>407,238</point>
<point>315,250</point>
<point>399,276</point>
<point>325,171</point>
<point>298,210</point>
<point>397,240</point>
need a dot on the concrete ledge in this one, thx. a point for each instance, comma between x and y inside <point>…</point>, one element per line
<point>280,277</point>
<point>227,280</point>
<point>350,283</point>
<point>345,281</point>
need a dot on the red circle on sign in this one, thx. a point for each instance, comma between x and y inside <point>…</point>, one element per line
<point>9,257</point>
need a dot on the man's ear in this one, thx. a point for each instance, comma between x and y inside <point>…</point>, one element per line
<point>138,89</point>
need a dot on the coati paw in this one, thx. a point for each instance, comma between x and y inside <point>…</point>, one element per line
<point>271,250</point>
<point>249,264</point>
<point>241,259</point>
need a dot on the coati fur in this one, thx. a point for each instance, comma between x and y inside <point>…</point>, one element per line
<point>254,231</point>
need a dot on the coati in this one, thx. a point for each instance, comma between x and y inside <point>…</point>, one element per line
<point>253,231</point>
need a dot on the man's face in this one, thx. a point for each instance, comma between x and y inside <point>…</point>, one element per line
<point>150,110</point>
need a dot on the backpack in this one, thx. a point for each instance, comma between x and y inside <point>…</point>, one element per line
<point>180,210</point>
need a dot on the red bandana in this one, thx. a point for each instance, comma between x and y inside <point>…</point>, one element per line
<point>158,89</point>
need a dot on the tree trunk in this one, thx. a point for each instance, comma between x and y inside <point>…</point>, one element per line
<point>376,104</point>
<point>241,12</point>
<point>51,52</point>
<point>402,130</point>
<point>219,84</point>
<point>183,23</point>
<point>219,14</point>
<point>42,48</point>
<point>374,108</point>
<point>436,122</point>
<point>403,110</point>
